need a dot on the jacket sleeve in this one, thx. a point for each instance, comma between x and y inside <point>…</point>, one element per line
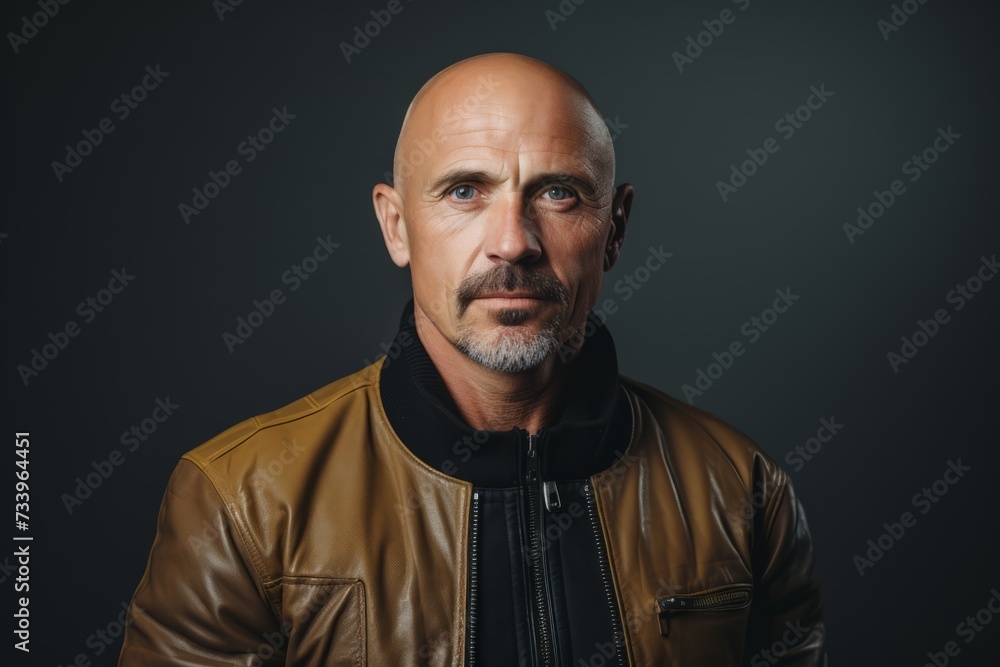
<point>198,602</point>
<point>786,626</point>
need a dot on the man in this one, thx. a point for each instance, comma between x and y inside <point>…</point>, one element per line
<point>496,493</point>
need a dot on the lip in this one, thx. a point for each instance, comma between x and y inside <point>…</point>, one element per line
<point>510,296</point>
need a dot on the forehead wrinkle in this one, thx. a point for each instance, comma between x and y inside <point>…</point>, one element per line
<point>583,128</point>
<point>482,118</point>
<point>497,140</point>
<point>493,136</point>
<point>570,115</point>
<point>578,122</point>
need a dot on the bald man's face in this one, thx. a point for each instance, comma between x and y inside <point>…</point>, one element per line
<point>506,222</point>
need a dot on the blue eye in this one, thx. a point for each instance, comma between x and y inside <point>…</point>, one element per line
<point>464,192</point>
<point>557,193</point>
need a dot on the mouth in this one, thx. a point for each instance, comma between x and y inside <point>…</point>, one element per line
<point>511,296</point>
<point>511,300</point>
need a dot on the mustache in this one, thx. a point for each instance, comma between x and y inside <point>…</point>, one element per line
<point>509,278</point>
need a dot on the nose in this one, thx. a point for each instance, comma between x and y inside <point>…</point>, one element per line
<point>511,234</point>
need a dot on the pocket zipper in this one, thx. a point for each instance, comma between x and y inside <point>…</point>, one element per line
<point>724,598</point>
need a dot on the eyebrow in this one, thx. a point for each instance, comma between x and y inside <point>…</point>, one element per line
<point>460,175</point>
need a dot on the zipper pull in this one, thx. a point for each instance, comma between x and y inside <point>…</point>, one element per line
<point>551,493</point>
<point>531,474</point>
<point>732,597</point>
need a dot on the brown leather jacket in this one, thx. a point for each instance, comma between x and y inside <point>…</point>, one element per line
<point>293,539</point>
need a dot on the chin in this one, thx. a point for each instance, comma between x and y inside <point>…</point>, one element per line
<point>512,317</point>
<point>506,350</point>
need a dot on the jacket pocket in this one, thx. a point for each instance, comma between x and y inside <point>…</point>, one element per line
<point>323,620</point>
<point>718,600</point>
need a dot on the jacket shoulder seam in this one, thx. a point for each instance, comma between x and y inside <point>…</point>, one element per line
<point>218,446</point>
<point>240,529</point>
<point>676,405</point>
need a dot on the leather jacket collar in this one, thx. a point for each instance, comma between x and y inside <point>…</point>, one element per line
<point>592,429</point>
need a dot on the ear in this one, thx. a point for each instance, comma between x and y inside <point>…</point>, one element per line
<point>621,206</point>
<point>389,211</point>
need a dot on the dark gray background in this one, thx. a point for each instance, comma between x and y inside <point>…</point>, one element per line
<point>162,336</point>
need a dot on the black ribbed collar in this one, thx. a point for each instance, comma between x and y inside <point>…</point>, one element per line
<point>591,432</point>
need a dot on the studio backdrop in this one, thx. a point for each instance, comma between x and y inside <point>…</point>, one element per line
<point>812,255</point>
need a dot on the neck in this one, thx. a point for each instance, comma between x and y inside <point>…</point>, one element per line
<point>494,400</point>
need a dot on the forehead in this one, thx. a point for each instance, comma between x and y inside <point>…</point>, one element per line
<point>515,128</point>
<point>506,133</point>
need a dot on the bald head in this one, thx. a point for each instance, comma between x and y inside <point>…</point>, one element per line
<point>499,87</point>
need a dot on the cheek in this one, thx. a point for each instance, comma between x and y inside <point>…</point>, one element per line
<point>580,257</point>
<point>579,262</point>
<point>439,261</point>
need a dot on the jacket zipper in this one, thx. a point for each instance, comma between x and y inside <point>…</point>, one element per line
<point>724,598</point>
<point>544,635</point>
<point>619,636</point>
<point>473,577</point>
